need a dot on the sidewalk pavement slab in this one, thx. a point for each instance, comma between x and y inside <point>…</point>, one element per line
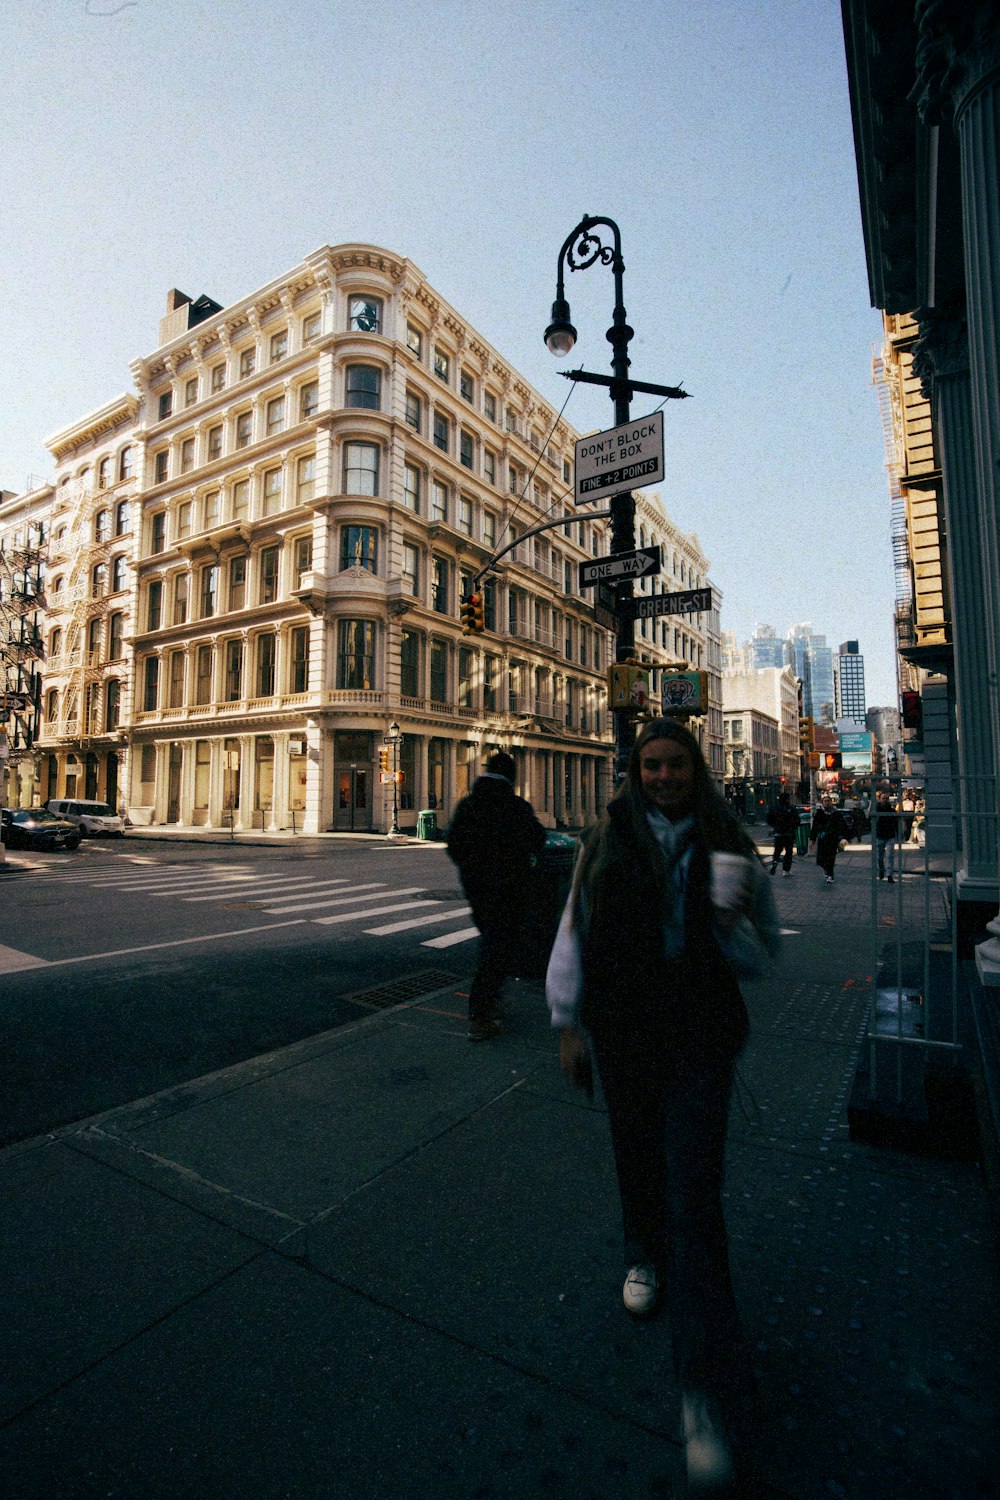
<point>386,1263</point>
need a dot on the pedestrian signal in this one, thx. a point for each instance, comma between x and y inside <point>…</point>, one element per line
<point>383,758</point>
<point>913,711</point>
<point>832,760</point>
<point>472,614</point>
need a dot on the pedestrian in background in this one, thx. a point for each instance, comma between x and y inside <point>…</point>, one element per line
<point>886,833</point>
<point>829,826</point>
<point>492,838</point>
<point>657,992</point>
<point>784,821</point>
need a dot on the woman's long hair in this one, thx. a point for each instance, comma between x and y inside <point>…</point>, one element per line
<point>714,825</point>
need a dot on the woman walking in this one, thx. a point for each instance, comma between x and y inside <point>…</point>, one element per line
<point>829,826</point>
<point>659,998</point>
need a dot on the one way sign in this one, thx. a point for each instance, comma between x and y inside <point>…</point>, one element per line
<point>638,564</point>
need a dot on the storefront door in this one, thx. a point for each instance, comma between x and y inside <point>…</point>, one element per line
<point>353,805</point>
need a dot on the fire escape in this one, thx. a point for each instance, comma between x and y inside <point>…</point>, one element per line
<point>21,604</point>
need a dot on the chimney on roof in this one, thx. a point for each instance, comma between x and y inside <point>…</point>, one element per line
<point>182,313</point>
<point>176,299</point>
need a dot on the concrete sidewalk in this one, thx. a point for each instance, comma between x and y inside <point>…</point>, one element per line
<point>384,1264</point>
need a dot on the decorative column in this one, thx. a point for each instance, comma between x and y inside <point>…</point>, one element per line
<point>958,86</point>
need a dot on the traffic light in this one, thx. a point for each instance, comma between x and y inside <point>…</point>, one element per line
<point>472,614</point>
<point>913,711</point>
<point>832,760</point>
<point>807,735</point>
<point>384,758</point>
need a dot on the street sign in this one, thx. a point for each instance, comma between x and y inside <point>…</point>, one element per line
<point>622,458</point>
<point>638,564</point>
<point>15,702</point>
<point>685,602</point>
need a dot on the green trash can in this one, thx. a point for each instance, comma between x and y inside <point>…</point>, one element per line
<point>548,888</point>
<point>802,833</point>
<point>427,824</point>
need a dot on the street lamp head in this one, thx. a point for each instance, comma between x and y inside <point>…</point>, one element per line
<point>394,730</point>
<point>560,336</point>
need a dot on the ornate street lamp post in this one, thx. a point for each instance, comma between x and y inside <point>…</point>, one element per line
<point>393,736</point>
<point>582,248</point>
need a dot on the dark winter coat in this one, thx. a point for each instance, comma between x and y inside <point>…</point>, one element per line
<point>492,836</point>
<point>828,828</point>
<point>784,820</point>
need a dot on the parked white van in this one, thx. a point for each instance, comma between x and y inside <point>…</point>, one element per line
<point>93,819</point>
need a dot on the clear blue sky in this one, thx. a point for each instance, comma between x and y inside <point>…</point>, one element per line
<point>211,144</point>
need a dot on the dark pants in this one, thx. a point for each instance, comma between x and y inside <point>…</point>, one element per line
<point>826,854</point>
<point>784,850</point>
<point>499,917</point>
<point>668,1111</point>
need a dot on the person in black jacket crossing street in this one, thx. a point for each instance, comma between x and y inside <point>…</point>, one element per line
<point>829,827</point>
<point>492,838</point>
<point>784,820</point>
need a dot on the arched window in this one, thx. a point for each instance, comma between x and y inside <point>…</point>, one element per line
<point>126,462</point>
<point>102,526</point>
<point>361,469</point>
<point>359,546</point>
<point>105,474</point>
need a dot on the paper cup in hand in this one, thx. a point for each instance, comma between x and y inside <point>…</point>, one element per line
<point>730,880</point>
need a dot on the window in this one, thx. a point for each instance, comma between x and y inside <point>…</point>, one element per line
<point>414,340</point>
<point>302,556</point>
<point>248,362</point>
<point>409,664</point>
<point>272,492</point>
<point>466,661</point>
<point>439,672</point>
<point>312,327</point>
<point>209,590</point>
<point>411,566</point>
<point>191,391</point>
<point>184,511</point>
<point>244,429</point>
<point>119,571</point>
<point>465,515</point>
<point>161,463</point>
<point>166,405</point>
<point>126,462</point>
<point>489,466</point>
<point>566,471</point>
<point>154,605</point>
<point>175,686</point>
<point>489,528</point>
<point>105,474</point>
<point>214,444</point>
<point>513,479</point>
<point>275,415</point>
<point>466,386</point>
<point>309,400</point>
<point>298,677</point>
<point>94,643</point>
<point>466,448</point>
<point>490,603</point>
<point>358,547</point>
<point>112,704</point>
<point>356,655</point>
<point>279,346</point>
<point>305,480</point>
<point>123,518</point>
<point>150,684</point>
<point>218,377</point>
<point>241,499</point>
<point>364,384</point>
<point>187,455</point>
<point>364,314</point>
<point>102,526</point>
<point>116,637</point>
<point>55,642</point>
<point>360,469</point>
<point>203,675</point>
<point>237,582</point>
<point>268,574</point>
<point>441,431</point>
<point>439,501</point>
<point>265,664</point>
<point>442,365</point>
<point>210,509</point>
<point>490,406</point>
<point>180,599</point>
<point>202,775</point>
<point>234,670</point>
<point>411,488</point>
<point>439,585</point>
<point>412,411</point>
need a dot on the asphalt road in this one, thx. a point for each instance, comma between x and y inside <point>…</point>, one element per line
<point>129,967</point>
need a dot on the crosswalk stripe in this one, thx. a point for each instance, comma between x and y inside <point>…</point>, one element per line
<point>374,885</point>
<point>270,890</point>
<point>449,939</point>
<point>375,911</point>
<point>435,916</point>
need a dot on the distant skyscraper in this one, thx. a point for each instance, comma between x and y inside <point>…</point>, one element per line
<point>812,661</point>
<point>849,682</point>
<point>766,648</point>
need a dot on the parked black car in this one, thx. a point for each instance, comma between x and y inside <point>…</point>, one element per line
<point>37,828</point>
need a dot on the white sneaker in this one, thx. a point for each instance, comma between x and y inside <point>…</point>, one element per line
<point>640,1290</point>
<point>706,1452</point>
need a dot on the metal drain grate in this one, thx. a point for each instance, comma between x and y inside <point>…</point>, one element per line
<point>407,988</point>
